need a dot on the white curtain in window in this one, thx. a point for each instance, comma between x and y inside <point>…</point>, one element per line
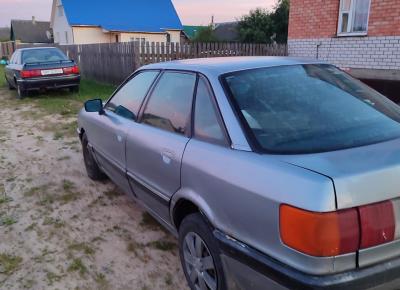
<point>361,10</point>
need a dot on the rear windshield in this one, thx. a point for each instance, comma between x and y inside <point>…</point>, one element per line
<point>310,108</point>
<point>43,55</point>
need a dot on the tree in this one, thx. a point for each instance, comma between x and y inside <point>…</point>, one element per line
<point>264,26</point>
<point>205,34</point>
<point>280,20</point>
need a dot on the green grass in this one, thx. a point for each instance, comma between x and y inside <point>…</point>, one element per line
<point>7,221</point>
<point>9,263</point>
<point>77,266</point>
<point>5,199</point>
<point>65,103</point>
<point>2,77</point>
<point>52,277</point>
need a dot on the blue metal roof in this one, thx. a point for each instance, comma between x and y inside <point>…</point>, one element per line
<point>123,15</point>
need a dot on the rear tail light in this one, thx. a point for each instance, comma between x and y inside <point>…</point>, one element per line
<point>320,234</point>
<point>339,232</point>
<point>71,70</point>
<point>377,224</point>
<point>30,73</point>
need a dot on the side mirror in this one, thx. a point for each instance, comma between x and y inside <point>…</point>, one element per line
<point>94,106</point>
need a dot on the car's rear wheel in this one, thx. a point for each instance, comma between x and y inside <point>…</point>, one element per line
<point>200,255</point>
<point>93,170</point>
<point>21,93</point>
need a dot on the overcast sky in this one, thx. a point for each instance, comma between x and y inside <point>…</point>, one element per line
<point>190,11</point>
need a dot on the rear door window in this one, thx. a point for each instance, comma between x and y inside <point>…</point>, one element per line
<point>127,101</point>
<point>169,106</point>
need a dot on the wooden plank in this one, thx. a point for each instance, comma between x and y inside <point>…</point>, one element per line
<point>168,51</point>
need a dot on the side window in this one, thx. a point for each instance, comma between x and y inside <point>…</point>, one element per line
<point>126,102</point>
<point>206,124</point>
<point>170,104</point>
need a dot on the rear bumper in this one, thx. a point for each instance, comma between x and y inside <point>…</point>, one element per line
<point>247,268</point>
<point>49,82</point>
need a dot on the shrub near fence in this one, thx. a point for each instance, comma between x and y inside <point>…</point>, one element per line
<point>113,62</point>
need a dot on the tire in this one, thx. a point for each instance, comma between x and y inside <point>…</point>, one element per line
<point>21,93</point>
<point>74,89</point>
<point>195,230</point>
<point>93,170</point>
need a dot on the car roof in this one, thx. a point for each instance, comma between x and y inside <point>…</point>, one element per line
<point>222,65</point>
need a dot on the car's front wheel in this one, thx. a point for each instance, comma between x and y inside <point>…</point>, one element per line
<point>93,170</point>
<point>200,255</point>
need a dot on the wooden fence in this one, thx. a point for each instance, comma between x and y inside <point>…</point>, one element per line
<point>6,49</point>
<point>113,62</point>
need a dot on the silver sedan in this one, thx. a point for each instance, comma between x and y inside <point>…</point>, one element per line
<point>274,173</point>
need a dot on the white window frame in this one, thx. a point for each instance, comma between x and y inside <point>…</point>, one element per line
<point>350,20</point>
<point>60,11</point>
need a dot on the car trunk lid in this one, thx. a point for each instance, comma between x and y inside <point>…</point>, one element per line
<point>362,175</point>
<point>46,69</point>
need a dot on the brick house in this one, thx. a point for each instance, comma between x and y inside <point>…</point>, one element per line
<point>362,36</point>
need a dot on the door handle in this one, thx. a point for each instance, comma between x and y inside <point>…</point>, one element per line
<point>167,156</point>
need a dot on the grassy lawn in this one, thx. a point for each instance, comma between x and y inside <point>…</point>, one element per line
<point>62,101</point>
<point>2,78</point>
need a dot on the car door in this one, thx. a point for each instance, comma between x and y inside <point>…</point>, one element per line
<point>155,146</point>
<point>107,132</point>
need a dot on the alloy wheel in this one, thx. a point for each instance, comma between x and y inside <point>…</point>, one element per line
<point>199,263</point>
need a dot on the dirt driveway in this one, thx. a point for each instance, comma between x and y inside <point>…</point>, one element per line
<point>60,230</point>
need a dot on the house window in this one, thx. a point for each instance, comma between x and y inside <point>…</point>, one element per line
<point>353,16</point>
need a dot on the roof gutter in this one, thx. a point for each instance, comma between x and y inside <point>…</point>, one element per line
<point>127,31</point>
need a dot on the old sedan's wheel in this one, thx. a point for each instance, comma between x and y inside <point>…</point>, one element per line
<point>93,170</point>
<point>21,93</point>
<point>199,255</point>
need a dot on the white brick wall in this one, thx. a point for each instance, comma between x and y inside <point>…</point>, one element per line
<point>351,52</point>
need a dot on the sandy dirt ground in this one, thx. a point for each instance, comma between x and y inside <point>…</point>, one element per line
<point>59,229</point>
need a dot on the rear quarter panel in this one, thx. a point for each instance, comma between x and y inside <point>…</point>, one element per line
<point>240,193</point>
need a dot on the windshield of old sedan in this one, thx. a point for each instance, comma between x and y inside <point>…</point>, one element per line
<point>42,55</point>
<point>310,108</point>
